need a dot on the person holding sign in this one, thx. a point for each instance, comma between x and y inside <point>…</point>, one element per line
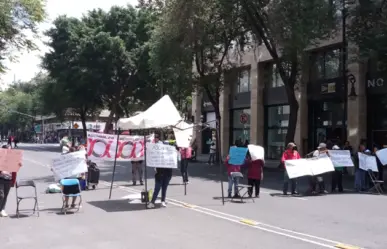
<point>337,175</point>
<point>380,166</point>
<point>321,151</point>
<point>290,153</point>
<point>360,174</point>
<point>255,175</point>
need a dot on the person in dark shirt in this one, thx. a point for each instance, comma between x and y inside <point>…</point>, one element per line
<point>162,178</point>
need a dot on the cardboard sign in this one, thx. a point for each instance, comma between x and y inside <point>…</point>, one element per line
<point>341,158</point>
<point>312,166</point>
<point>256,152</point>
<point>161,156</point>
<point>237,155</point>
<point>69,165</point>
<point>382,155</point>
<point>367,162</point>
<point>10,160</point>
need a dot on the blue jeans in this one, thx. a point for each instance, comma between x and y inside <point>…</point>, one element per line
<point>161,183</point>
<point>360,176</point>
<point>233,181</point>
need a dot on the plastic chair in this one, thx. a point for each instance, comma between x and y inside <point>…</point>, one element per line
<point>240,187</point>
<point>377,183</point>
<point>27,183</point>
<point>70,183</point>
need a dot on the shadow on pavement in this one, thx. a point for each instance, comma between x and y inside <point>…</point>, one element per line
<point>117,205</point>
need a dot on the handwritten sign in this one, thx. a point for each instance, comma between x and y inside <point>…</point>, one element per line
<point>367,162</point>
<point>341,158</point>
<point>237,155</point>
<point>161,156</point>
<point>69,165</point>
<point>256,152</point>
<point>10,160</point>
<point>311,166</point>
<point>382,155</point>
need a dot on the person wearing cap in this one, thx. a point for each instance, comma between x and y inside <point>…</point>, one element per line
<point>337,176</point>
<point>290,153</point>
<point>322,150</point>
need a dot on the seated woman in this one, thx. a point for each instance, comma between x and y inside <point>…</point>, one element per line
<point>70,190</point>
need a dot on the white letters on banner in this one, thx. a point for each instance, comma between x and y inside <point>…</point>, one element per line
<point>256,152</point>
<point>311,166</point>
<point>382,155</point>
<point>367,162</point>
<point>161,156</point>
<point>341,158</point>
<point>69,165</point>
<point>103,147</point>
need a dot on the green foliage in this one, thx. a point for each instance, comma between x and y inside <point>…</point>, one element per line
<point>368,30</point>
<point>16,18</point>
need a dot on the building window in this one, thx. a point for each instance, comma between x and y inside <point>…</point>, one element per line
<point>277,125</point>
<point>275,79</point>
<point>328,64</point>
<point>240,125</point>
<point>243,84</point>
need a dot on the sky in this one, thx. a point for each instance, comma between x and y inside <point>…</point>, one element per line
<point>28,63</point>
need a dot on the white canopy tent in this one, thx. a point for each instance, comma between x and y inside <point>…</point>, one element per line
<point>161,114</point>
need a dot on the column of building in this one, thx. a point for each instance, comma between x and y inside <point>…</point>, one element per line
<point>257,106</point>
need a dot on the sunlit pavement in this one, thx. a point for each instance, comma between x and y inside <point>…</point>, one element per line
<point>197,219</point>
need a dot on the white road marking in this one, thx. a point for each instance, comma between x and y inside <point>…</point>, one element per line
<point>240,220</point>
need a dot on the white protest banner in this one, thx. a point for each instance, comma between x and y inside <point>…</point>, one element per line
<point>103,147</point>
<point>341,158</point>
<point>183,137</point>
<point>382,155</point>
<point>68,165</point>
<point>256,152</point>
<point>367,162</point>
<point>311,166</point>
<point>161,156</point>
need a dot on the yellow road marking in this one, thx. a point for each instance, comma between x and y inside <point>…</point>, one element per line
<point>344,246</point>
<point>188,205</point>
<point>249,222</point>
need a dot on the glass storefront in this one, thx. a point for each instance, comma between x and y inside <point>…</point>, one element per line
<point>277,125</point>
<point>240,127</point>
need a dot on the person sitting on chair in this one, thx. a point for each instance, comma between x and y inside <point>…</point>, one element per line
<point>70,190</point>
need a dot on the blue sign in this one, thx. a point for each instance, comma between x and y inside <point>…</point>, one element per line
<point>237,155</point>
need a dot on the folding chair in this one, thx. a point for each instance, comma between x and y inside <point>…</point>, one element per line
<point>71,183</point>
<point>240,187</point>
<point>375,182</point>
<point>27,183</point>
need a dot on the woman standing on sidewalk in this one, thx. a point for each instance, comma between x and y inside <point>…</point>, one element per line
<point>290,153</point>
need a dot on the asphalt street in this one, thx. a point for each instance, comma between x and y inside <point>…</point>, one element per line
<point>195,220</point>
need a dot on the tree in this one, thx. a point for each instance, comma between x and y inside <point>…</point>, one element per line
<point>17,17</point>
<point>197,36</point>
<point>286,28</point>
<point>71,85</point>
<point>368,30</point>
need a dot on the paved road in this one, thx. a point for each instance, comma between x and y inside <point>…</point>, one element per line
<point>195,220</point>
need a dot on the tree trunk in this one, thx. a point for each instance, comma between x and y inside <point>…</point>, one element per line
<point>82,115</point>
<point>109,122</point>
<point>218,134</point>
<point>293,106</point>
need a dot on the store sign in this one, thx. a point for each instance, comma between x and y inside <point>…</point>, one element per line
<point>379,82</point>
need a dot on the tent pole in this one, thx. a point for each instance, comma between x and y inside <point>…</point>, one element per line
<point>146,175</point>
<point>115,162</point>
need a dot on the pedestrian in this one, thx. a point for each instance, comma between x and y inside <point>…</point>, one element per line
<point>380,174</point>
<point>360,174</point>
<point>321,151</point>
<point>137,170</point>
<point>7,180</point>
<point>9,141</point>
<point>185,154</point>
<point>211,159</point>
<point>337,176</point>
<point>254,176</point>
<point>290,153</point>
<point>232,181</point>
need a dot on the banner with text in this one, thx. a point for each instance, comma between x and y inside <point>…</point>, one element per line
<point>10,160</point>
<point>161,156</point>
<point>341,158</point>
<point>308,167</point>
<point>69,165</point>
<point>103,147</point>
<point>367,162</point>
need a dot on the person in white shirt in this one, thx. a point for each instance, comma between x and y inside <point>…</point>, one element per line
<point>321,151</point>
<point>211,159</point>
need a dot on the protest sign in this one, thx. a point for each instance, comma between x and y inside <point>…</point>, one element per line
<point>10,160</point>
<point>382,155</point>
<point>69,165</point>
<point>183,137</point>
<point>341,158</point>
<point>237,155</point>
<point>103,146</point>
<point>256,152</point>
<point>367,162</point>
<point>161,156</point>
<point>312,166</point>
